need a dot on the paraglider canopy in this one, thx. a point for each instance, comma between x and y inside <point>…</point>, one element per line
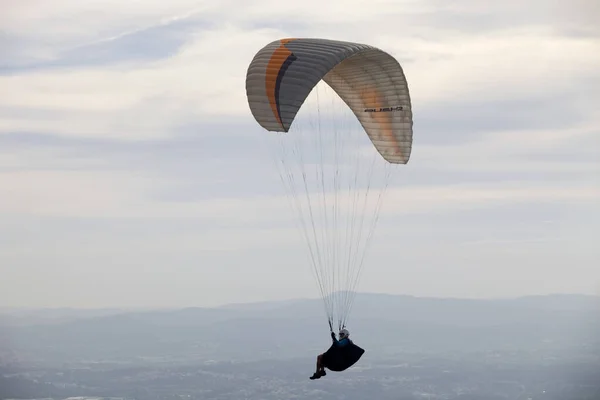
<point>370,81</point>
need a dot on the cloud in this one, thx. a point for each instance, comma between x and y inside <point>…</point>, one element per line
<point>203,82</point>
<point>568,150</point>
<point>204,79</point>
<point>89,194</point>
<point>476,17</point>
<point>67,24</point>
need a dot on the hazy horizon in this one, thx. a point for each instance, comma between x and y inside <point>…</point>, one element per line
<point>290,300</point>
<point>132,173</point>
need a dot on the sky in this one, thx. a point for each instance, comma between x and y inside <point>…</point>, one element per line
<point>132,173</point>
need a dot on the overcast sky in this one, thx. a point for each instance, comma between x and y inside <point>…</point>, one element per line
<point>132,172</point>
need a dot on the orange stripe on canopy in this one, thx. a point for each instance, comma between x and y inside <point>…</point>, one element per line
<point>273,67</point>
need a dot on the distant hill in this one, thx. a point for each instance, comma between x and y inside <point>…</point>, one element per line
<point>386,325</point>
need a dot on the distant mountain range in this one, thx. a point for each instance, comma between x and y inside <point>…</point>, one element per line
<point>386,325</point>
